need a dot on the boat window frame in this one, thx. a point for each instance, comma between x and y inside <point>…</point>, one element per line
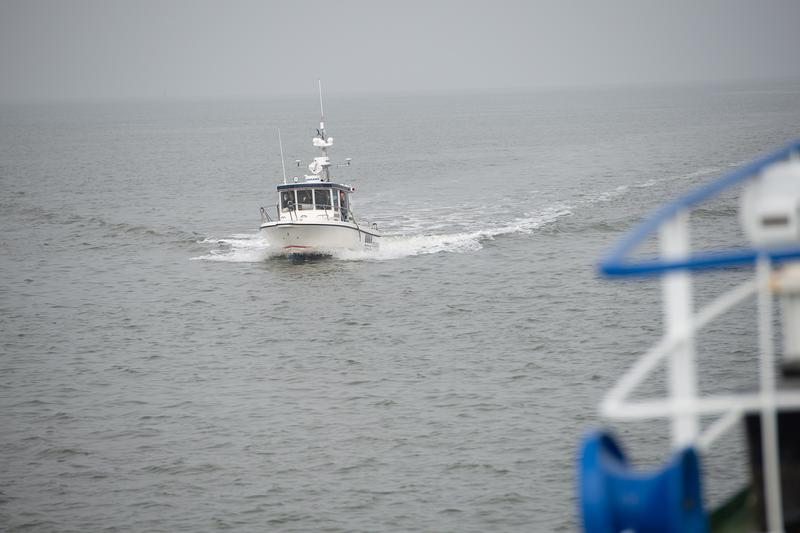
<point>344,207</point>
<point>292,200</point>
<point>322,207</point>
<point>300,205</point>
<point>344,194</point>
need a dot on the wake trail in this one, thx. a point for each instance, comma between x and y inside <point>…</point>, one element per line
<point>253,248</point>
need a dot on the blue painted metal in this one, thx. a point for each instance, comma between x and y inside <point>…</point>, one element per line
<point>614,498</point>
<point>617,264</point>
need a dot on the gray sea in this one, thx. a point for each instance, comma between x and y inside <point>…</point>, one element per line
<point>159,371</point>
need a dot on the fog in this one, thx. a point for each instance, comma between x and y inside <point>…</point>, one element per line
<point>202,49</point>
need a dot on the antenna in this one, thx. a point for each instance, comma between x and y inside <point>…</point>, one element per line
<point>324,142</point>
<point>283,164</point>
<point>321,110</point>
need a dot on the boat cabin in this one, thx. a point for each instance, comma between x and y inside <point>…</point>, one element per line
<point>314,200</point>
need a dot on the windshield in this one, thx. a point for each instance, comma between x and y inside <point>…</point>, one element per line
<point>322,198</point>
<point>287,200</point>
<point>304,200</point>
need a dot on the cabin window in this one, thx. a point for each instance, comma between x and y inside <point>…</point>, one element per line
<point>287,200</point>
<point>322,198</point>
<point>343,204</point>
<point>335,201</point>
<point>304,200</point>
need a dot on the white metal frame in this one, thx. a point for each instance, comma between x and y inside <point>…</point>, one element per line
<point>684,406</point>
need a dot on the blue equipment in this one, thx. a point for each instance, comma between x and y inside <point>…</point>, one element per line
<point>613,498</point>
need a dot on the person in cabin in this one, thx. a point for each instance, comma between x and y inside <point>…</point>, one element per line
<point>287,203</point>
<point>343,205</point>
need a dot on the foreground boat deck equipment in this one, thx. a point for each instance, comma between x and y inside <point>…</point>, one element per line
<point>614,498</point>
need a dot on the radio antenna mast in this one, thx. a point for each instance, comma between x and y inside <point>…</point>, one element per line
<point>321,110</point>
<point>283,163</point>
<point>324,142</point>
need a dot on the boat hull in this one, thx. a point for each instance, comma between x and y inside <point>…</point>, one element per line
<point>317,238</point>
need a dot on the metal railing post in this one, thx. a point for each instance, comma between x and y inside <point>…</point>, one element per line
<point>678,316</point>
<point>769,416</point>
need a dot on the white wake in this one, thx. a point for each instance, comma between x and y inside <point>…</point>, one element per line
<point>252,247</point>
<point>439,234</point>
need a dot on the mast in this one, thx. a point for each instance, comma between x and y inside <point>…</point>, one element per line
<point>324,146</point>
<point>322,164</point>
<point>321,109</point>
<point>283,163</point>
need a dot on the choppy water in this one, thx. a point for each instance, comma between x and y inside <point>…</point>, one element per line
<point>158,372</point>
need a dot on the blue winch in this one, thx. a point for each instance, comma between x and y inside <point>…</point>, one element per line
<point>616,498</point>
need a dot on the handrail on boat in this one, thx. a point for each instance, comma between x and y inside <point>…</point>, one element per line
<point>683,404</point>
<point>351,216</point>
<point>265,215</point>
<point>347,212</point>
<point>616,262</point>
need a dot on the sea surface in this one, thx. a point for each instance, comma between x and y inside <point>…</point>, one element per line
<point>161,371</point>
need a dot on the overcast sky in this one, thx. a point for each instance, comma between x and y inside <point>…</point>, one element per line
<point>107,48</point>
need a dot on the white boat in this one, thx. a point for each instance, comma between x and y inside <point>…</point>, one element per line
<point>314,214</point>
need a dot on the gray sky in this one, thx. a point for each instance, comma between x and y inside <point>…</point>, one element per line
<point>108,48</point>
